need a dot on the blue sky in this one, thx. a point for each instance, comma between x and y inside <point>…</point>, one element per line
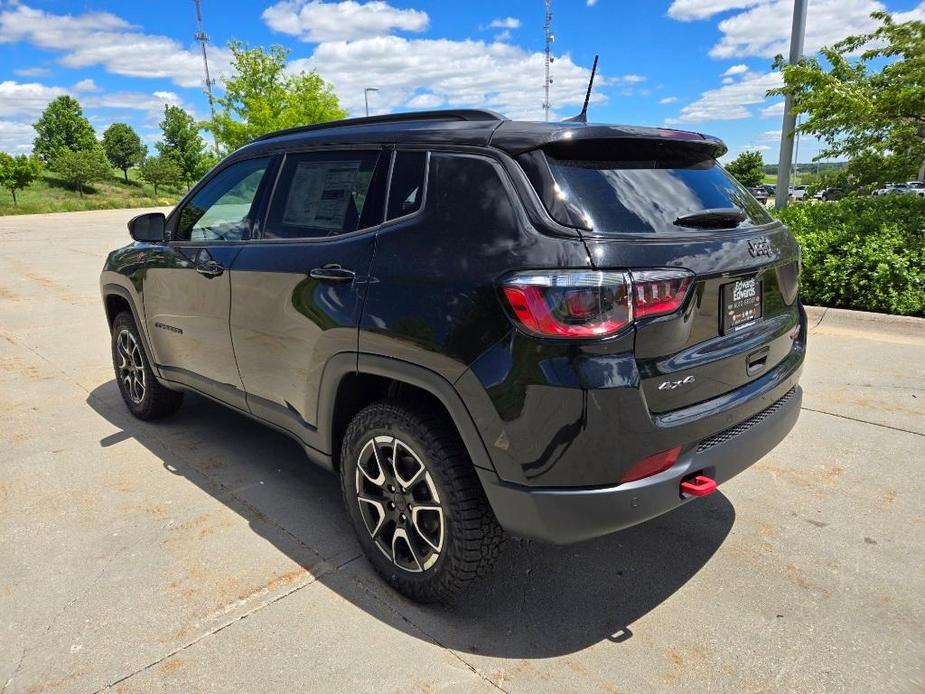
<point>697,64</point>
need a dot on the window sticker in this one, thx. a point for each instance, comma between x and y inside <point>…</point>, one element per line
<point>320,193</point>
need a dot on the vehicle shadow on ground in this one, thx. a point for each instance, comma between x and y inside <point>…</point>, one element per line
<point>541,601</point>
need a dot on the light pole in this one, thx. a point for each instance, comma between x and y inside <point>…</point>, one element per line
<point>786,136</point>
<point>366,97</point>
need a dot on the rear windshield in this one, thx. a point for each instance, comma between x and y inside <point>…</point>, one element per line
<point>640,195</point>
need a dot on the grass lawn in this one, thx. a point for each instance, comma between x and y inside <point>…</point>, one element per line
<point>770,179</point>
<point>50,194</point>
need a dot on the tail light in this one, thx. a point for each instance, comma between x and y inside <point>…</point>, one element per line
<point>590,303</point>
<point>659,292</point>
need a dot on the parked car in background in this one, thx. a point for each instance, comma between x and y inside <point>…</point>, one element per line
<point>831,193</point>
<point>916,188</point>
<point>760,194</point>
<point>769,189</point>
<point>555,329</point>
<point>891,189</point>
<point>798,192</point>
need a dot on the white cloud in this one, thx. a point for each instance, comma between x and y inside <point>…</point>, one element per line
<point>632,79</point>
<point>764,30</point>
<point>422,101</point>
<point>689,10</point>
<point>916,14</point>
<point>504,23</point>
<point>740,69</point>
<point>16,138</point>
<point>769,135</point>
<point>26,99</point>
<point>32,71</point>
<point>732,101</point>
<point>762,27</point>
<point>503,36</point>
<point>317,21</point>
<point>773,111</point>
<point>459,73</point>
<point>101,38</point>
<point>668,100</point>
<point>86,85</point>
<point>728,80</point>
<point>590,3</point>
<point>152,105</point>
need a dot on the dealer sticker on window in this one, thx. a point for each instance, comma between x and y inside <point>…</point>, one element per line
<point>741,304</point>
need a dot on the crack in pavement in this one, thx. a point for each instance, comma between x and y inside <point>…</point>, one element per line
<point>469,666</point>
<point>825,312</point>
<point>211,632</point>
<point>864,421</point>
<point>257,608</point>
<point>54,620</point>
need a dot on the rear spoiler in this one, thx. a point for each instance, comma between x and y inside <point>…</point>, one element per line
<point>517,137</point>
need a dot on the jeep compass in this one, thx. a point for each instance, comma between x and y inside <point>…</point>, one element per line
<point>553,330</point>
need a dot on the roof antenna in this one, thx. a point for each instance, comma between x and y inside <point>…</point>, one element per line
<point>583,116</point>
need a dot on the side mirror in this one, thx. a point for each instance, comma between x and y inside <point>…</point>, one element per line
<point>149,227</point>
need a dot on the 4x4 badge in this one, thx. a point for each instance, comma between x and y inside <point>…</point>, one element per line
<point>760,246</point>
<point>671,385</point>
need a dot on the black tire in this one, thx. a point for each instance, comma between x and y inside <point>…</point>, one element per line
<point>471,536</point>
<point>144,396</point>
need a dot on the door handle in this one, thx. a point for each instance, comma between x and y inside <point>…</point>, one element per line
<point>332,273</point>
<point>210,268</point>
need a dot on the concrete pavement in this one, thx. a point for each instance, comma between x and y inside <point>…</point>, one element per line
<point>203,553</point>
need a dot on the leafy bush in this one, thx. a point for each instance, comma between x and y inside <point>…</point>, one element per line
<point>862,252</point>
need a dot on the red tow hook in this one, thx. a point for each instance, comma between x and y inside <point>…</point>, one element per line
<point>701,485</point>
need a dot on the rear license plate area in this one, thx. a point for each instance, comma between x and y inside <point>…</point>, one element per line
<point>742,302</point>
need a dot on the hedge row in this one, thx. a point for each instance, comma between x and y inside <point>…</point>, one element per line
<point>865,253</point>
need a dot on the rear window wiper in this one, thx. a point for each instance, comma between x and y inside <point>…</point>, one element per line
<point>716,218</point>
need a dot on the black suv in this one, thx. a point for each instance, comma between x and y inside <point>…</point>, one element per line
<point>554,329</point>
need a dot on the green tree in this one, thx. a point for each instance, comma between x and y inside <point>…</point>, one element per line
<point>18,172</point>
<point>81,167</point>
<point>263,97</point>
<point>159,171</point>
<point>747,168</point>
<point>866,101</point>
<point>124,148</point>
<point>62,125</point>
<point>182,143</point>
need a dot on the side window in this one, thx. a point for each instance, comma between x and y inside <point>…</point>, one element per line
<point>222,209</point>
<point>325,194</point>
<point>406,189</point>
<point>469,187</point>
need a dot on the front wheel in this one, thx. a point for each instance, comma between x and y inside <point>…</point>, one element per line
<point>415,502</point>
<point>144,396</point>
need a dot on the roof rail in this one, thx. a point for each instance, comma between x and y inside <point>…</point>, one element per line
<point>463,114</point>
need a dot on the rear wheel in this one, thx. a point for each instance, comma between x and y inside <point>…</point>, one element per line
<point>415,502</point>
<point>144,396</point>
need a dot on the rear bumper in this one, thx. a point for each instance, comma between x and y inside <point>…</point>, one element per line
<point>563,516</point>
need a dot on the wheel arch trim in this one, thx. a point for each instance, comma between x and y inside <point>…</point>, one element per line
<point>341,365</point>
<point>112,289</point>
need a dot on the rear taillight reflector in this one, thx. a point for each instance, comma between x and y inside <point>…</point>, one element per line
<point>589,303</point>
<point>652,465</point>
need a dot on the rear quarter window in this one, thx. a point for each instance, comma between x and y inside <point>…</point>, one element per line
<point>464,187</point>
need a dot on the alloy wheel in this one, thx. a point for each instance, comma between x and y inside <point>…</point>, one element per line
<point>131,366</point>
<point>399,504</point>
